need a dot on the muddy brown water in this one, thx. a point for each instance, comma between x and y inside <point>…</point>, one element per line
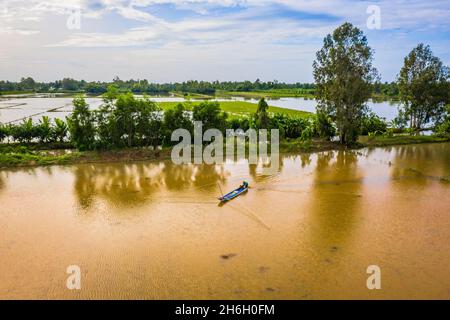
<point>153,230</point>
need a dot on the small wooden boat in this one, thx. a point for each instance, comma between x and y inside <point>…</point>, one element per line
<point>235,193</point>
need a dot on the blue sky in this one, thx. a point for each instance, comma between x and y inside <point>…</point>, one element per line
<point>177,40</point>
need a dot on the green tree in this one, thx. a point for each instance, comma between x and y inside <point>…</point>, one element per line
<point>210,114</point>
<point>111,94</point>
<point>125,116</point>
<point>69,84</point>
<point>149,123</point>
<point>262,116</point>
<point>4,132</point>
<point>444,126</point>
<point>127,121</point>
<point>290,127</point>
<point>27,83</point>
<point>344,74</point>
<point>423,87</point>
<point>95,88</point>
<point>107,127</point>
<point>176,118</point>
<point>81,125</point>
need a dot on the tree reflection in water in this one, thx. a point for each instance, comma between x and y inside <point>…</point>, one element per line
<point>258,176</point>
<point>422,164</point>
<point>335,198</point>
<point>137,183</point>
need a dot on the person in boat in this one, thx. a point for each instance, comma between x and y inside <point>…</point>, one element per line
<point>242,188</point>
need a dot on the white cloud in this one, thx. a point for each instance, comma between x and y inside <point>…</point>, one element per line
<point>24,32</point>
<point>395,14</point>
<point>234,43</point>
<point>200,31</point>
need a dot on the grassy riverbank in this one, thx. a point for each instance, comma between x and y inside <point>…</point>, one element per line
<point>33,155</point>
<point>238,108</point>
<point>36,155</point>
<point>271,94</point>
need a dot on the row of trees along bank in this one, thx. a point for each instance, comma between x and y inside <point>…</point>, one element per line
<point>344,75</point>
<point>125,121</point>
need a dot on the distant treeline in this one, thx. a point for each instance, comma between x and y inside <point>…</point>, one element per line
<point>144,86</point>
<point>389,89</point>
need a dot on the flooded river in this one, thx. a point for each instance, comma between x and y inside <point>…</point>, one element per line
<point>153,230</point>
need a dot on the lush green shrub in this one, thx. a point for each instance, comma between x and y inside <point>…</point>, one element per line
<point>81,125</point>
<point>23,132</point>
<point>241,124</point>
<point>177,118</point>
<point>4,132</point>
<point>389,132</point>
<point>308,132</point>
<point>444,127</point>
<point>290,127</point>
<point>210,114</point>
<point>324,126</point>
<point>59,131</point>
<point>127,122</point>
<point>234,124</point>
<point>400,122</point>
<point>372,123</point>
<point>43,130</point>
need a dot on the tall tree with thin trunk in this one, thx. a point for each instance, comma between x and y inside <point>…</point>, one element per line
<point>423,87</point>
<point>81,124</point>
<point>344,74</point>
<point>262,117</point>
